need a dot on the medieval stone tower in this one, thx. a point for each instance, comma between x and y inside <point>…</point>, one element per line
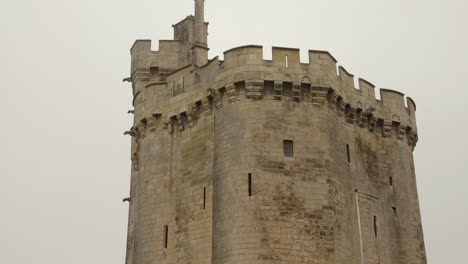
<point>247,160</point>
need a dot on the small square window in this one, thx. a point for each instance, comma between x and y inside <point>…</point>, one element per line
<point>288,147</point>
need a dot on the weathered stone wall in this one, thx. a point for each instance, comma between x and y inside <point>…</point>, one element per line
<point>152,195</point>
<point>192,167</point>
<point>232,218</point>
<point>229,120</point>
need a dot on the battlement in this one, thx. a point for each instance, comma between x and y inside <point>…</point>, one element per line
<point>321,65</point>
<point>189,46</point>
<point>245,72</point>
<point>320,70</point>
<point>144,58</point>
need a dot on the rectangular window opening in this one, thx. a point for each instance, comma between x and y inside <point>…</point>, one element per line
<point>288,148</point>
<point>250,184</point>
<point>375,226</point>
<point>390,181</point>
<point>287,61</point>
<point>166,235</point>
<point>204,198</point>
<point>348,154</point>
<point>394,212</point>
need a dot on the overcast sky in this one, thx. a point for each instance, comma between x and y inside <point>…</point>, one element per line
<point>65,164</point>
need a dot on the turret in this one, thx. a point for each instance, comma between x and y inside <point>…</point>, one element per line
<point>200,32</point>
<point>200,46</point>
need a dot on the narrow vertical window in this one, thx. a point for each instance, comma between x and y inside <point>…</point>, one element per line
<point>166,235</point>
<point>288,148</point>
<point>375,226</point>
<point>395,212</point>
<point>348,154</point>
<point>287,61</point>
<point>250,184</point>
<point>183,84</point>
<point>390,181</point>
<point>204,198</point>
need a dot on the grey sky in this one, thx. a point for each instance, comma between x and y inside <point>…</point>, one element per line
<point>65,165</point>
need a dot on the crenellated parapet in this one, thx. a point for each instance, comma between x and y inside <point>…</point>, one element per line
<point>192,92</point>
<point>147,61</point>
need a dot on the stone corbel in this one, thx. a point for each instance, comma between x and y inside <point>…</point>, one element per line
<point>387,129</point>
<point>211,92</point>
<point>180,122</point>
<point>412,138</point>
<point>191,109</point>
<point>190,120</point>
<point>363,119</point>
<point>365,116</point>
<point>254,89</point>
<point>170,126</point>
<point>372,123</point>
<point>296,92</point>
<point>151,123</point>
<point>402,132</point>
<point>217,100</point>
<point>341,107</point>
<point>167,124</point>
<point>319,94</point>
<point>206,106</point>
<point>231,92</point>
<point>278,90</point>
<point>333,101</point>
<point>351,115</point>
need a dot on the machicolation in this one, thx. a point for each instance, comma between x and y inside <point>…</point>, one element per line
<point>245,73</point>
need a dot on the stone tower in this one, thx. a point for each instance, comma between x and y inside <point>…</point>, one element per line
<point>247,160</point>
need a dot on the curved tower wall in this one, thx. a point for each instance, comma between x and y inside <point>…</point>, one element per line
<point>289,215</point>
<point>200,132</point>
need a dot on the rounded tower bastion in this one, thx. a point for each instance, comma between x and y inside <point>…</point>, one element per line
<point>247,160</point>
